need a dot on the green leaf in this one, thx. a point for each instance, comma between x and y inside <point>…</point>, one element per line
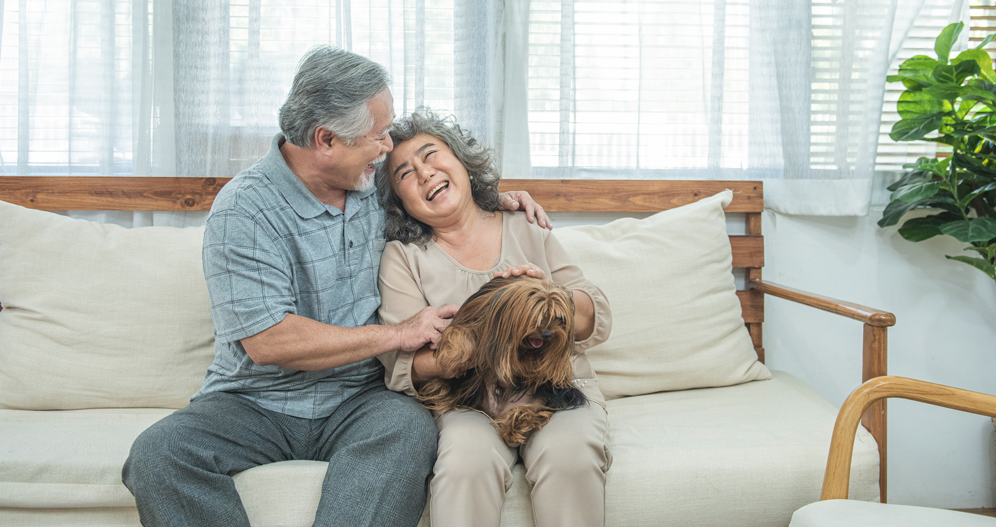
<point>977,263</point>
<point>942,166</point>
<point>947,39</point>
<point>913,104</point>
<point>980,131</point>
<point>988,252</point>
<point>973,165</point>
<point>916,67</point>
<point>974,94</point>
<point>920,229</point>
<point>916,191</point>
<point>973,230</point>
<point>922,170</point>
<point>955,73</point>
<point>985,119</point>
<point>966,106</point>
<point>915,72</point>
<point>909,177</point>
<point>895,211</point>
<point>976,193</point>
<point>985,41</point>
<point>982,59</point>
<point>948,91</point>
<point>916,127</point>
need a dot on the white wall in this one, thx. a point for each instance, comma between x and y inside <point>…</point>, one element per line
<point>945,333</point>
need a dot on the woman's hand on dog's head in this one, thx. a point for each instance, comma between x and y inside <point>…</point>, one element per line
<point>527,269</point>
<point>425,327</point>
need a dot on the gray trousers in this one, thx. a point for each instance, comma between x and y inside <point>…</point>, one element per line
<point>380,446</point>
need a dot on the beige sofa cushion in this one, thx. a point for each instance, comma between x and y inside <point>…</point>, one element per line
<point>69,459</point>
<point>676,319</point>
<point>98,316</point>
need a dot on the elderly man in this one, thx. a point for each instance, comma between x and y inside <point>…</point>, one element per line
<point>292,248</point>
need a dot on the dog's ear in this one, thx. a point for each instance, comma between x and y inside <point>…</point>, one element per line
<point>455,353</point>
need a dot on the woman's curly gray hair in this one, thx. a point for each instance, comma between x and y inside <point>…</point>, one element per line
<point>477,158</point>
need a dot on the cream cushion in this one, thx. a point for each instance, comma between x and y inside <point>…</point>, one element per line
<point>850,513</point>
<point>676,318</point>
<point>69,459</point>
<point>761,445</point>
<point>100,316</point>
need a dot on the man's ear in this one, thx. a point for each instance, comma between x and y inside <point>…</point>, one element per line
<point>325,140</point>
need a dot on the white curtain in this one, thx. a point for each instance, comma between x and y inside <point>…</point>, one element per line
<point>787,91</point>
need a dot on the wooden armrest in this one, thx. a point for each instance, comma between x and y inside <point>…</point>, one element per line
<point>875,355</point>
<point>838,473</point>
<point>870,316</point>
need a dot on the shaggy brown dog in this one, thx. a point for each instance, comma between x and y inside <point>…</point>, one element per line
<point>508,353</point>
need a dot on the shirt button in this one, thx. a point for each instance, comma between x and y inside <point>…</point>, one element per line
<point>350,244</point>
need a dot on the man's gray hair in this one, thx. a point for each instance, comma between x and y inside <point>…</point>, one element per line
<point>331,89</point>
<point>477,158</point>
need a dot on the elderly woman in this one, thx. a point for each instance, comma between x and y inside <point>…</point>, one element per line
<point>440,188</point>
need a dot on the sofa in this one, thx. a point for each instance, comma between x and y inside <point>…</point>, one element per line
<point>104,330</point>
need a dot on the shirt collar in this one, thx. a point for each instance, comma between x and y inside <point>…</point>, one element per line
<point>304,203</point>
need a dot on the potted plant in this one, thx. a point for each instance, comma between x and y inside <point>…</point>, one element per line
<point>953,103</point>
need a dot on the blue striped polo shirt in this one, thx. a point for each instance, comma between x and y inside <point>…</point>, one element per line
<point>271,248</point>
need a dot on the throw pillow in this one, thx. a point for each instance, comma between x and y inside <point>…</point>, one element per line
<point>99,315</point>
<point>676,318</point>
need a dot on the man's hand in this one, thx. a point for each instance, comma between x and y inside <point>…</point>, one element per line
<point>520,199</point>
<point>519,270</point>
<point>425,327</point>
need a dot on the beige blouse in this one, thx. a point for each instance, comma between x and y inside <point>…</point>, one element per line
<point>413,277</point>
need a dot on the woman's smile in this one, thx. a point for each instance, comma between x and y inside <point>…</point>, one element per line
<point>437,190</point>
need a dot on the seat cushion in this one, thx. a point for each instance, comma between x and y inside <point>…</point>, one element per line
<point>850,513</point>
<point>69,458</point>
<point>87,517</point>
<point>746,455</point>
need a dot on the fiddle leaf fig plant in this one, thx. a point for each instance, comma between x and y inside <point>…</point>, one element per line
<point>950,101</point>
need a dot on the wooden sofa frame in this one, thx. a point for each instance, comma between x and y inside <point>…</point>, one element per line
<point>620,196</point>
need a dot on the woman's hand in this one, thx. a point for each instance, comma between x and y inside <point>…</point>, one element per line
<point>520,199</point>
<point>519,270</point>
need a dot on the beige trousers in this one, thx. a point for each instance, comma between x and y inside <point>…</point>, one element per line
<point>565,461</point>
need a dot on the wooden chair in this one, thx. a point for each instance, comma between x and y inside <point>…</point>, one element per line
<point>835,510</point>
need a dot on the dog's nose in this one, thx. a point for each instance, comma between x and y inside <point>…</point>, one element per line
<point>546,335</point>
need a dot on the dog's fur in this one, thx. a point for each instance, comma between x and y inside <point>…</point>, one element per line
<point>508,353</point>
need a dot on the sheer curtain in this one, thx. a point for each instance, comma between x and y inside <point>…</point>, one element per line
<point>192,87</point>
<point>786,91</point>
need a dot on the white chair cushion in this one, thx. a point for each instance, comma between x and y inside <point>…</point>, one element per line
<point>100,316</point>
<point>851,513</point>
<point>676,318</point>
